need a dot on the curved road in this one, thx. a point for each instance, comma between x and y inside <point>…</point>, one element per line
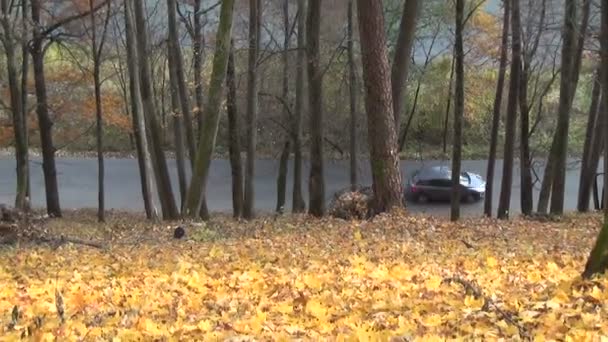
<point>78,184</point>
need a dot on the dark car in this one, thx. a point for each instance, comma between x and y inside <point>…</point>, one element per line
<point>434,183</point>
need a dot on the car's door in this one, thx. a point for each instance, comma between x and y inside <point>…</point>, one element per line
<point>441,189</point>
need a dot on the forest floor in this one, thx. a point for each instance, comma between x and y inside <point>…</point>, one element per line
<point>396,278</point>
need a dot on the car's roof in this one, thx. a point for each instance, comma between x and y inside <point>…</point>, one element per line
<point>434,172</point>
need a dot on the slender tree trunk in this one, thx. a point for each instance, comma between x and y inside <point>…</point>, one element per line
<point>175,51</point>
<point>298,204</point>
<point>148,186</point>
<point>24,93</point>
<point>44,120</point>
<point>198,55</point>
<point>458,113</point>
<point>598,259</point>
<point>565,105</point>
<point>403,50</point>
<point>17,111</point>
<point>100,162</point>
<point>504,203</point>
<point>165,191</point>
<point>352,88</point>
<point>178,129</point>
<point>382,134</point>
<point>316,186</point>
<point>526,199</point>
<point>282,178</point>
<point>597,146</point>
<point>448,106</point>
<point>500,85</point>
<point>234,131</point>
<point>252,106</point>
<point>587,173</point>
<point>212,111</point>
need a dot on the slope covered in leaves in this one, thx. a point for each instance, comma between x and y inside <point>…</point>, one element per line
<point>292,278</point>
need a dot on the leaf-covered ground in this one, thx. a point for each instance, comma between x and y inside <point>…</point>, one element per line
<point>400,278</point>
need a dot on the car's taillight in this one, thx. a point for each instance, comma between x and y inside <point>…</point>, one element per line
<point>413,188</point>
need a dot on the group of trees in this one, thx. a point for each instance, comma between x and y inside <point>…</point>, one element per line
<point>388,54</point>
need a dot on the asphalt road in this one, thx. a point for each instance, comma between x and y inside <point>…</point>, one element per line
<point>78,184</point>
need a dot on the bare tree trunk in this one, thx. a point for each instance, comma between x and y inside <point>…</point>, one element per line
<point>24,76</point>
<point>504,203</point>
<point>178,129</point>
<point>447,108</point>
<point>198,55</point>
<point>282,178</point>
<point>382,134</point>
<point>175,51</point>
<point>458,112</point>
<point>526,200</point>
<point>500,84</point>
<point>21,154</point>
<point>403,50</point>
<point>165,191</point>
<point>316,186</point>
<point>148,186</point>
<point>352,88</point>
<point>44,120</point>
<point>212,111</point>
<point>298,204</point>
<point>252,106</point>
<point>234,130</point>
<point>565,104</point>
<point>598,258</point>
<point>587,172</point>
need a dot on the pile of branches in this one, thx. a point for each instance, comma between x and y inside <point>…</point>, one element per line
<point>19,226</point>
<point>352,204</point>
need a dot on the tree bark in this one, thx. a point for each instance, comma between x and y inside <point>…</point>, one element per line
<point>212,111</point>
<point>148,186</point>
<point>198,55</point>
<point>298,204</point>
<point>500,85</point>
<point>252,106</point>
<point>234,131</point>
<point>504,203</point>
<point>352,88</point>
<point>382,134</point>
<point>178,128</point>
<point>587,171</point>
<point>17,110</point>
<point>45,123</point>
<point>403,50</point>
<point>316,186</point>
<point>458,112</point>
<point>175,51</point>
<point>165,191</point>
<point>598,258</point>
<point>448,105</point>
<point>24,93</point>
<point>282,177</point>
<point>565,105</point>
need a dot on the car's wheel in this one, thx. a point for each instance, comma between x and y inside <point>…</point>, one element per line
<point>422,198</point>
<point>472,198</point>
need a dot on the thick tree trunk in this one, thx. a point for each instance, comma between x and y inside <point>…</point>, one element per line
<point>252,106</point>
<point>165,191</point>
<point>175,51</point>
<point>598,259</point>
<point>298,204</point>
<point>148,186</point>
<point>352,89</point>
<point>565,104</point>
<point>587,172</point>
<point>234,144</point>
<point>504,203</point>
<point>403,50</point>
<point>178,129</point>
<point>382,134</point>
<point>500,84</point>
<point>316,186</point>
<point>282,177</point>
<point>212,111</point>
<point>44,120</point>
<point>17,110</point>
<point>458,113</point>
<point>525,173</point>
